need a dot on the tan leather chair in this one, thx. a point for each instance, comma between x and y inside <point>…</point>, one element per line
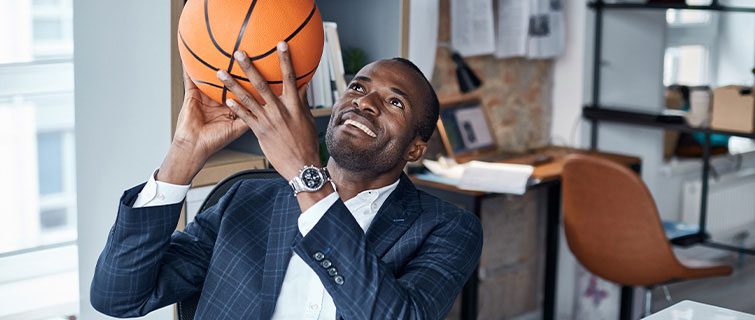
<point>613,228</point>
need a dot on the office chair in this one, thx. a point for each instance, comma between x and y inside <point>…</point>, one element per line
<point>186,308</point>
<point>613,228</point>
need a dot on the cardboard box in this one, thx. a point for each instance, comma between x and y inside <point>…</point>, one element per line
<point>733,109</point>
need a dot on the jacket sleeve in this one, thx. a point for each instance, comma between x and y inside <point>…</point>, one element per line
<point>368,288</point>
<point>145,265</point>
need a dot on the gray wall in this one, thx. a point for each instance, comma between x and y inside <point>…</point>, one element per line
<point>122,88</point>
<point>373,26</point>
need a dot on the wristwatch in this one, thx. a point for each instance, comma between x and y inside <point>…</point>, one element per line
<point>310,179</point>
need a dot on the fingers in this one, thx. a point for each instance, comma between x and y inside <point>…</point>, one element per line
<point>243,113</point>
<point>255,78</point>
<point>244,96</point>
<point>187,81</point>
<point>303,97</point>
<point>287,70</point>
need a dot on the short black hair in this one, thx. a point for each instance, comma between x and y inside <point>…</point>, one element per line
<point>426,125</point>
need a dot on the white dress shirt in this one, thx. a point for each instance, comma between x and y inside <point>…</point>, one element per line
<point>302,294</point>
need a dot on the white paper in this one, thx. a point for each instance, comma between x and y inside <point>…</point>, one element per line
<point>485,176</point>
<point>423,34</point>
<point>512,28</point>
<point>472,27</point>
<point>473,129</point>
<point>495,177</point>
<point>451,171</point>
<point>546,29</point>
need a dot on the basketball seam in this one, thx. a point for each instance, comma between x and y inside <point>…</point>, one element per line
<point>234,76</point>
<point>238,42</point>
<point>209,30</point>
<point>208,83</point>
<point>293,34</point>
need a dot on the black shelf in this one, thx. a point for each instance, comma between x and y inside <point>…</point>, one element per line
<point>664,6</point>
<point>650,120</point>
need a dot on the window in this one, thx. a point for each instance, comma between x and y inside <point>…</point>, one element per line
<point>38,237</point>
<point>686,65</point>
<point>690,46</point>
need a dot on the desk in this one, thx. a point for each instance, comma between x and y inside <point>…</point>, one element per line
<point>547,176</point>
<point>690,310</point>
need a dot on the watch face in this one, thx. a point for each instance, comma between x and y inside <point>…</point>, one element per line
<point>312,178</point>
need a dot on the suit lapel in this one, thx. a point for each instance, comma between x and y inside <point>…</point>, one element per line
<point>283,231</point>
<point>395,216</point>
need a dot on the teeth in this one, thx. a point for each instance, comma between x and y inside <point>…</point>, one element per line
<point>361,126</point>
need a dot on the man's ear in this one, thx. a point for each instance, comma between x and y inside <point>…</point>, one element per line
<point>416,150</point>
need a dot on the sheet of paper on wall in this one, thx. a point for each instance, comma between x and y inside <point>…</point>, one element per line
<point>546,29</point>
<point>472,31</point>
<point>495,177</point>
<point>512,27</point>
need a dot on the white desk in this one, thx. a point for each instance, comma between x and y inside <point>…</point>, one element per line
<point>690,310</point>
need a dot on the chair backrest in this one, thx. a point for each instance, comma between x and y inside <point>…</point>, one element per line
<point>188,307</point>
<point>612,224</point>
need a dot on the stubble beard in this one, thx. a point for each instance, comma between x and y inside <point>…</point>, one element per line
<point>376,159</point>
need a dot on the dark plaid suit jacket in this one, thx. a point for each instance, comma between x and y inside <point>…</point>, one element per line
<point>410,264</point>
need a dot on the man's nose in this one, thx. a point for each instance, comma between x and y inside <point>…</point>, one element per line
<point>368,103</point>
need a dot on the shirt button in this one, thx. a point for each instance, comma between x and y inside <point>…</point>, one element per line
<point>160,196</point>
<point>338,280</point>
<point>374,206</point>
<point>326,263</point>
<point>318,256</point>
<point>314,306</point>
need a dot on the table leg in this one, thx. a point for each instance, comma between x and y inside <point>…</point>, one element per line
<point>552,230</point>
<point>470,291</point>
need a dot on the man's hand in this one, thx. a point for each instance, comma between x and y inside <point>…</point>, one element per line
<point>204,127</point>
<point>284,125</point>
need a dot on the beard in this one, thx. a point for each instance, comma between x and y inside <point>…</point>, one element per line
<point>378,157</point>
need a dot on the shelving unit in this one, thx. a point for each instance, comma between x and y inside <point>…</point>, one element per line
<point>597,112</point>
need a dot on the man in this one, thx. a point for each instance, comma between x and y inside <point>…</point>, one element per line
<point>296,248</point>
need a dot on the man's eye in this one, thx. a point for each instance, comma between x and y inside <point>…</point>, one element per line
<point>397,102</point>
<point>357,87</point>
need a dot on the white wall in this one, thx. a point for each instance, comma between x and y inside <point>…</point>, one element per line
<point>122,88</point>
<point>736,47</point>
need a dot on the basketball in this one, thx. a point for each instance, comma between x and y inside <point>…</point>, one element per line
<point>210,31</point>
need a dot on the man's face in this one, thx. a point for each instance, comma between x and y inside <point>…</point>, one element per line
<point>373,122</point>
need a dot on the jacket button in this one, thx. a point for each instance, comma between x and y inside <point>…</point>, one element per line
<point>332,272</point>
<point>326,263</point>
<point>318,256</point>
<point>338,280</point>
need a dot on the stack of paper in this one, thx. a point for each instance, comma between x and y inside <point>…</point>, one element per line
<point>485,176</point>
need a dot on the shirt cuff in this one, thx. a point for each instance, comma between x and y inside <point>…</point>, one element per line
<point>159,193</point>
<point>309,218</point>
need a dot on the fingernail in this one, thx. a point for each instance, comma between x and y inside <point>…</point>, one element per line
<point>240,55</point>
<point>282,46</point>
<point>229,102</point>
<point>223,75</point>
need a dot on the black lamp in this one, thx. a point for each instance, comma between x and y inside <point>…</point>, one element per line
<point>468,80</point>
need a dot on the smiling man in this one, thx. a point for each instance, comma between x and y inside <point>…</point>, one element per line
<point>354,240</point>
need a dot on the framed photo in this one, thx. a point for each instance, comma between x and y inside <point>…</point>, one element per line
<point>463,126</point>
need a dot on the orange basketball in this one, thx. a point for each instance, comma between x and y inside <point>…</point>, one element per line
<point>210,31</point>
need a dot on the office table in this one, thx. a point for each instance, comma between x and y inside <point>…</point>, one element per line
<point>546,176</point>
<point>690,310</point>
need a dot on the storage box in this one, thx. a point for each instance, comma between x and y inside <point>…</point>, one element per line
<point>733,109</point>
